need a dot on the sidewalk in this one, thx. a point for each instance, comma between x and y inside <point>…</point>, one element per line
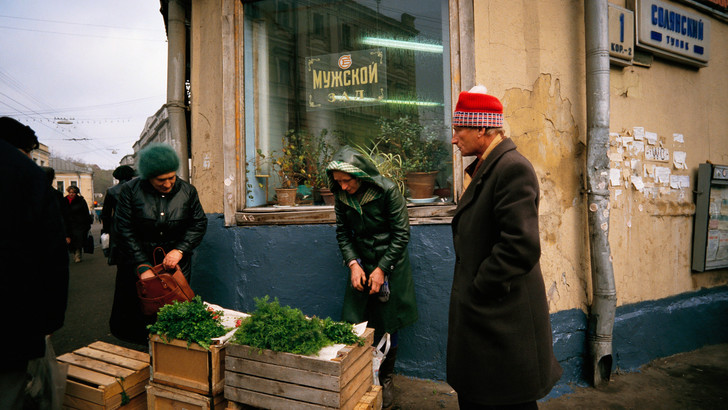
<point>686,381</point>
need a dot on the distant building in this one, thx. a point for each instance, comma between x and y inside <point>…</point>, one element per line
<point>70,174</point>
<point>41,156</point>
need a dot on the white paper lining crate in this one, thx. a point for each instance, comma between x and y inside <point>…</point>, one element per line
<point>275,380</point>
<point>167,398</point>
<point>191,368</point>
<point>100,374</point>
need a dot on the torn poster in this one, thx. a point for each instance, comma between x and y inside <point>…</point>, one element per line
<point>678,159</point>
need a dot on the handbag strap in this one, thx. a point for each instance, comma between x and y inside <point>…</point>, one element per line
<point>384,341</point>
<point>151,268</point>
<point>154,254</point>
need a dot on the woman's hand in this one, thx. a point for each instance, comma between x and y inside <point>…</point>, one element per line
<point>376,280</point>
<point>358,277</point>
<point>171,259</point>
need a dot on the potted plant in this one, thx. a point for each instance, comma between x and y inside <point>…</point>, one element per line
<point>318,152</point>
<point>422,150</point>
<point>290,165</point>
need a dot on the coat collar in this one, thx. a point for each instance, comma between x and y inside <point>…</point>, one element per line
<point>488,163</point>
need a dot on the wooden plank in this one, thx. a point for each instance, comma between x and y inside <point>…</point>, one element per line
<point>282,373</point>
<point>284,359</point>
<point>111,358</point>
<point>353,392</point>
<point>286,390</point>
<point>162,398</point>
<point>121,351</point>
<point>310,363</point>
<point>79,396</point>
<point>266,401</point>
<point>363,363</point>
<point>101,367</point>
<point>371,400</point>
<point>90,377</point>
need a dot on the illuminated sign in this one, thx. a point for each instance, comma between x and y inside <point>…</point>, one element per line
<point>673,32</point>
<point>345,80</point>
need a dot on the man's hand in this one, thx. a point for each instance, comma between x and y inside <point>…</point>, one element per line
<point>376,280</point>
<point>358,277</point>
<point>172,259</point>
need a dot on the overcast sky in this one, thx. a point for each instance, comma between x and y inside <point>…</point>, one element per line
<point>102,65</point>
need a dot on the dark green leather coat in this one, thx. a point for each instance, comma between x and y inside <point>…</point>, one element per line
<point>377,236</point>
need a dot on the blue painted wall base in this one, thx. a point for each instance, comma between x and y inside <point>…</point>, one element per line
<point>301,266</point>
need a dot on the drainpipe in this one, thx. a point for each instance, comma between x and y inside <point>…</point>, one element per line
<point>176,65</point>
<point>604,300</point>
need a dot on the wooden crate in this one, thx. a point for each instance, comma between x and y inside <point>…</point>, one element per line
<point>101,373</point>
<point>191,368</point>
<point>275,380</point>
<point>372,400</point>
<point>160,397</point>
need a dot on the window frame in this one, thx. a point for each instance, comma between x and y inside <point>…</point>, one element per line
<point>462,66</point>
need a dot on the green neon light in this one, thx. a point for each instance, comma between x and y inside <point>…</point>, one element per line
<point>406,45</point>
<point>385,101</point>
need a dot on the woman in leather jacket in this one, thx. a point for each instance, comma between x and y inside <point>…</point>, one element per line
<point>372,229</point>
<point>155,210</point>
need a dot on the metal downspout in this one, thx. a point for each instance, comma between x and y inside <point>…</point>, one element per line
<point>604,300</point>
<point>176,65</point>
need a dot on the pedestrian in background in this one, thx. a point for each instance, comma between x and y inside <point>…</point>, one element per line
<point>123,174</point>
<point>62,202</point>
<point>372,229</point>
<point>34,267</point>
<point>78,222</point>
<point>499,350</point>
<point>158,209</point>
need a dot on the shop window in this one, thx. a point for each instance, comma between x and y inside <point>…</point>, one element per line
<point>381,85</point>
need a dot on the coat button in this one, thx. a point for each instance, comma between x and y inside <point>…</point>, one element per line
<point>161,213</point>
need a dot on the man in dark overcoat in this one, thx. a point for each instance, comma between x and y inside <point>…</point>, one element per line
<point>499,352</point>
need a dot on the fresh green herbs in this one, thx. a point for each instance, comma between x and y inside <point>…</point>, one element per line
<point>190,320</point>
<point>285,329</point>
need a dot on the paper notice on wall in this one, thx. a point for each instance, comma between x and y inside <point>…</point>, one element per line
<point>615,156</point>
<point>615,176</point>
<point>678,138</point>
<point>626,141</point>
<point>638,133</point>
<point>635,148</point>
<point>662,175</point>
<point>651,137</point>
<point>679,181</point>
<point>637,182</point>
<point>678,159</point>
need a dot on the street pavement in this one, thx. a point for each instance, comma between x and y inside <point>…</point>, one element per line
<point>692,380</point>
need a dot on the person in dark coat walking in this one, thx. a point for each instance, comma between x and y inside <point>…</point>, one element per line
<point>78,222</point>
<point>34,265</point>
<point>372,229</point>
<point>123,173</point>
<point>499,350</point>
<point>158,209</point>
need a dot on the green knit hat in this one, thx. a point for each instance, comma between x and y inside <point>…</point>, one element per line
<point>157,159</point>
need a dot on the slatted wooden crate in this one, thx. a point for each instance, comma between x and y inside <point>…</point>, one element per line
<point>191,368</point>
<point>275,380</point>
<point>372,400</point>
<point>160,397</point>
<point>101,375</point>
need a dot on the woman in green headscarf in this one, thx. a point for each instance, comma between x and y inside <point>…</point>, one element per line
<point>372,229</point>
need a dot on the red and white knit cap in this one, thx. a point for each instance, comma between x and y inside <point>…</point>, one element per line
<point>475,108</point>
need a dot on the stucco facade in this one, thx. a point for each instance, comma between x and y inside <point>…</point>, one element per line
<point>531,55</point>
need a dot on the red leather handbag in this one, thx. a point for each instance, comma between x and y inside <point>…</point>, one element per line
<point>163,288</point>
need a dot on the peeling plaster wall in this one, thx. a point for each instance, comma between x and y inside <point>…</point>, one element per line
<point>531,56</point>
<point>206,88</point>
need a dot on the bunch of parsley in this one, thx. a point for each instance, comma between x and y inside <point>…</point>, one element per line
<point>190,320</point>
<point>285,329</point>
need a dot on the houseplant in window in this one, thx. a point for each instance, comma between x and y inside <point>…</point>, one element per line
<point>422,149</point>
<point>289,164</point>
<point>317,155</point>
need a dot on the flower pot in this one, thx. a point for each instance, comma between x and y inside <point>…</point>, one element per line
<point>327,196</point>
<point>421,184</point>
<point>286,196</point>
